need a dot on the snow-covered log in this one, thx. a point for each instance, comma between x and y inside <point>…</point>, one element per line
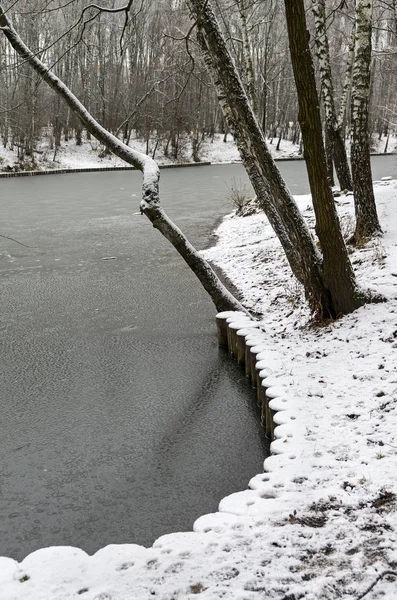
<point>150,204</point>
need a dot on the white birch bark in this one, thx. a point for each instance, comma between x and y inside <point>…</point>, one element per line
<point>327,91</point>
<point>347,85</point>
<point>150,203</point>
<point>367,222</point>
<point>247,55</point>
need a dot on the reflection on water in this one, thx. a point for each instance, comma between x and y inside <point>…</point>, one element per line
<point>122,418</point>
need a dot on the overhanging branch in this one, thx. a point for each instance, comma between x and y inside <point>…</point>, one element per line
<point>150,203</point>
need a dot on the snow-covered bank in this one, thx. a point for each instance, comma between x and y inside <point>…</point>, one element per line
<point>321,525</point>
<point>88,155</point>
<point>71,156</point>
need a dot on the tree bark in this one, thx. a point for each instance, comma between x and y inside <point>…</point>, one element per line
<point>367,222</point>
<point>150,204</point>
<point>249,67</point>
<point>329,153</point>
<point>337,270</point>
<point>327,91</point>
<point>346,87</point>
<point>272,193</point>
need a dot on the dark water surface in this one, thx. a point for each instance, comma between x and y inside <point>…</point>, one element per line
<point>120,418</point>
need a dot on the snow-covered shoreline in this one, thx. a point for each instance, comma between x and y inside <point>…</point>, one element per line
<point>322,525</point>
<point>89,155</point>
<point>73,158</point>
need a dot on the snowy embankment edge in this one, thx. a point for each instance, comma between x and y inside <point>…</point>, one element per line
<point>93,170</point>
<point>66,170</point>
<point>247,342</point>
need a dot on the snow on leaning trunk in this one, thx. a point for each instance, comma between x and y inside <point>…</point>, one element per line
<point>150,204</point>
<point>221,325</point>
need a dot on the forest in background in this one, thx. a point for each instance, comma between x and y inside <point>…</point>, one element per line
<point>143,76</point>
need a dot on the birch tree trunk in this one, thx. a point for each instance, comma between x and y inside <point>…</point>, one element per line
<point>150,204</point>
<point>329,153</point>
<point>329,284</point>
<point>327,90</point>
<point>337,270</point>
<point>249,67</point>
<point>367,222</point>
<point>346,87</point>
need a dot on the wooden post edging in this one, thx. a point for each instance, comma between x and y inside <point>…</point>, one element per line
<point>278,416</point>
<point>248,344</point>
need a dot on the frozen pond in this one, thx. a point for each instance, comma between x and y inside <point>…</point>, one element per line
<point>121,419</point>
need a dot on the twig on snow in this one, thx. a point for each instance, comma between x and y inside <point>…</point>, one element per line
<point>373,584</point>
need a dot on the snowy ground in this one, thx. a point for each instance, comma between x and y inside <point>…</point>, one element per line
<point>321,521</point>
<point>70,156</point>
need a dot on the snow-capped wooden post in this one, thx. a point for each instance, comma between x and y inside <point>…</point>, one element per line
<point>240,346</point>
<point>268,383</point>
<point>264,408</point>
<point>221,325</point>
<point>261,374</point>
<point>233,325</point>
<point>253,352</point>
<point>249,343</point>
<point>242,334</point>
<point>245,342</point>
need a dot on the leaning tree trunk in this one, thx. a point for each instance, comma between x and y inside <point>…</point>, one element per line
<point>150,204</point>
<point>330,286</point>
<point>337,270</point>
<point>367,222</point>
<point>327,91</point>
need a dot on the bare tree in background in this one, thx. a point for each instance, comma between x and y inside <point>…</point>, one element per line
<point>247,57</point>
<point>152,60</point>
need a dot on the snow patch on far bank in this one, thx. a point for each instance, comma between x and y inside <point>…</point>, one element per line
<point>89,155</point>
